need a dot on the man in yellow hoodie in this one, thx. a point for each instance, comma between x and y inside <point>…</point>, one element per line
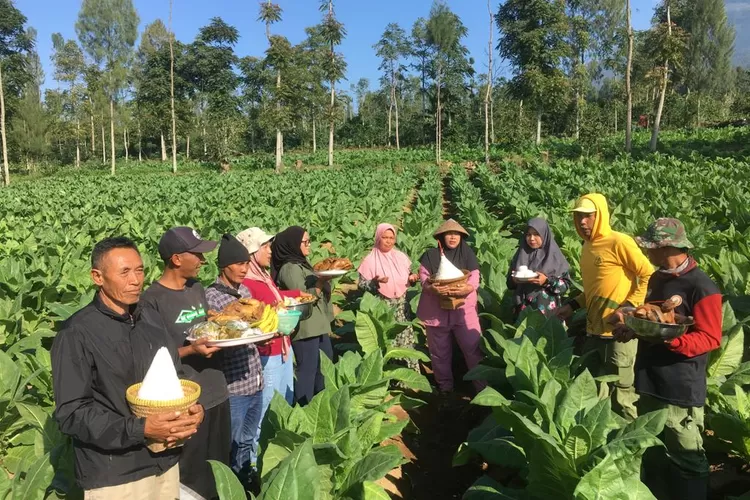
<point>615,273</point>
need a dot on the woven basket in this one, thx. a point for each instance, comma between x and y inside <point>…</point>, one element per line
<point>143,408</point>
<point>451,303</point>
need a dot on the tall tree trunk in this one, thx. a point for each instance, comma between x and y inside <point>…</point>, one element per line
<point>538,127</point>
<point>492,121</point>
<point>279,135</point>
<point>438,121</point>
<point>487,128</point>
<point>520,117</point>
<point>279,151</point>
<point>104,143</point>
<point>391,100</point>
<point>205,146</point>
<point>390,119</point>
<point>488,94</point>
<point>112,133</point>
<point>6,171</point>
<point>578,115</point>
<point>93,134</point>
<point>171,92</point>
<point>330,132</point>
<point>163,147</point>
<point>424,88</point>
<point>315,137</point>
<point>424,102</point>
<point>140,147</point>
<point>187,147</point>
<point>663,91</point>
<point>395,108</point>
<point>78,143</point>
<point>125,142</point>
<point>699,112</point>
<point>615,119</point>
<point>628,86</point>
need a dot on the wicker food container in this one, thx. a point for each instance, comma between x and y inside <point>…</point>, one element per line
<point>143,407</point>
<point>452,303</point>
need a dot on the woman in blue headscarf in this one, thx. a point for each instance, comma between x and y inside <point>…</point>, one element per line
<point>538,251</point>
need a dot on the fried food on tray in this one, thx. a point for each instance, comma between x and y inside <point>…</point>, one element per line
<point>223,318</point>
<point>333,264</point>
<point>248,309</point>
<point>659,313</point>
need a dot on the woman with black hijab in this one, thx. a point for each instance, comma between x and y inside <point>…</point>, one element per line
<point>292,271</point>
<point>443,325</point>
<point>539,252</point>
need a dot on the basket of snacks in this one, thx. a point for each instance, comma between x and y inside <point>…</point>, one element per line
<point>161,392</point>
<point>451,284</point>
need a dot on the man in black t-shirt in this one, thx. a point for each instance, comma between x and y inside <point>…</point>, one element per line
<point>181,302</point>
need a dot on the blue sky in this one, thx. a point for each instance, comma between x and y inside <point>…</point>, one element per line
<point>364,22</point>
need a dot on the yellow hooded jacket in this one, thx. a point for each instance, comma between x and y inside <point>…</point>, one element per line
<point>613,268</point>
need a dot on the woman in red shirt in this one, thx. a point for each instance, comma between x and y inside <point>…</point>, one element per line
<point>275,355</point>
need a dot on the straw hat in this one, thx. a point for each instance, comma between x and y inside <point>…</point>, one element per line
<point>448,226</point>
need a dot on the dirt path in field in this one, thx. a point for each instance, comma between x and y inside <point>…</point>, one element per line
<point>430,441</point>
<point>437,428</point>
<point>442,425</point>
<point>448,204</point>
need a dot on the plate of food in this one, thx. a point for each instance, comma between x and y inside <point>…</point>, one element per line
<point>523,274</point>
<point>302,303</point>
<point>658,320</point>
<point>250,312</point>
<point>332,267</point>
<point>252,339</point>
<point>228,333</point>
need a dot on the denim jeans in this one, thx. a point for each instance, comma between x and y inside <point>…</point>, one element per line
<point>278,376</point>
<point>245,417</point>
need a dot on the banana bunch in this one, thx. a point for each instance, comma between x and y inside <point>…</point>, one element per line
<point>268,322</point>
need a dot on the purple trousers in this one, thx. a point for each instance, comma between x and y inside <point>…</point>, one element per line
<point>440,342</point>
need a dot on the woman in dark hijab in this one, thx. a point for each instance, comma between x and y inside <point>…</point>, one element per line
<point>292,271</point>
<point>443,325</point>
<point>538,251</point>
<point>287,247</point>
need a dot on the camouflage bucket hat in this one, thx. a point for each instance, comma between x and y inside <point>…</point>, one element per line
<point>664,233</point>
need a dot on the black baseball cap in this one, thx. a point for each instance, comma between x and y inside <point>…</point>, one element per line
<point>183,239</point>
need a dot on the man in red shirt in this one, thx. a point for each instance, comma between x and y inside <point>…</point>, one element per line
<point>672,374</point>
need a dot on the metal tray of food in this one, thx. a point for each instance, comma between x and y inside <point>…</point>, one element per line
<point>663,331</point>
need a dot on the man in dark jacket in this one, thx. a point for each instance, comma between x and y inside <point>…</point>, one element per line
<point>100,351</point>
<point>672,374</point>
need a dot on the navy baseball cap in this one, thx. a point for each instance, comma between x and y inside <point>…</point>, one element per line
<point>183,239</point>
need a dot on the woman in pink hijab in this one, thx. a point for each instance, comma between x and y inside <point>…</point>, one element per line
<point>386,272</point>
